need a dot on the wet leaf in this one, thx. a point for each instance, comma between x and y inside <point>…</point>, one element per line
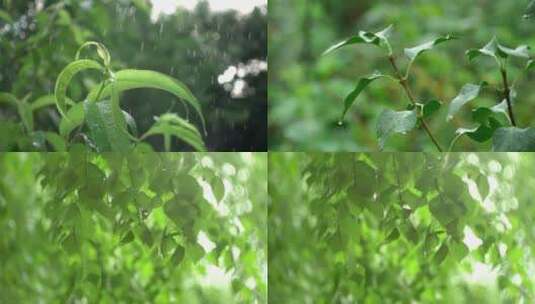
<point>65,77</point>
<point>361,85</point>
<point>413,52</point>
<point>514,140</point>
<point>134,79</point>
<point>441,254</point>
<point>391,122</point>
<point>106,130</point>
<point>378,39</point>
<point>468,93</point>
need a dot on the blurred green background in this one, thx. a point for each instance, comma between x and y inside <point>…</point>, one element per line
<point>307,91</point>
<point>39,38</point>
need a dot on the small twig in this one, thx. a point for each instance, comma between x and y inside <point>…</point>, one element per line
<point>507,93</point>
<point>403,81</point>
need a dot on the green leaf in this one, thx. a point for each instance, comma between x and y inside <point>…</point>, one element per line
<point>25,112</point>
<point>468,93</point>
<point>483,186</point>
<point>378,39</point>
<point>218,188</point>
<point>106,131</point>
<point>394,235</point>
<point>102,51</point>
<point>196,252</point>
<point>520,52</point>
<point>365,182</point>
<point>8,99</point>
<point>413,52</point>
<point>23,109</point>
<point>530,10</point>
<point>409,232</point>
<point>178,255</point>
<point>70,243</point>
<point>441,254</point>
<point>391,122</point>
<point>361,85</point>
<point>170,124</point>
<point>131,123</point>
<point>128,238</point>
<point>46,101</point>
<point>65,77</point>
<point>431,107</point>
<point>495,50</point>
<point>74,117</point>
<point>530,64</point>
<point>56,142</point>
<point>514,140</point>
<point>445,210</point>
<point>458,250</point>
<point>490,49</point>
<point>134,79</point>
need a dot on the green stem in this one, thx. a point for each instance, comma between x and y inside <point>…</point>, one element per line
<point>507,93</point>
<point>404,83</point>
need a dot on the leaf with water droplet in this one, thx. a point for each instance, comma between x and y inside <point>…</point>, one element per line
<point>65,77</point>
<point>134,79</point>
<point>361,85</point>
<point>391,122</point>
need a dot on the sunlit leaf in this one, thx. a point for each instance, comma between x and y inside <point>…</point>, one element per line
<point>378,39</point>
<point>514,140</point>
<point>391,122</point>
<point>413,52</point>
<point>468,93</point>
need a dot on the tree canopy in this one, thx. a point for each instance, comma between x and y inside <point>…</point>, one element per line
<point>145,227</point>
<point>401,228</point>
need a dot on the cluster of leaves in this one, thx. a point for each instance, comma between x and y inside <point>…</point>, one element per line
<point>39,38</point>
<point>138,227</point>
<point>109,126</point>
<point>390,228</point>
<point>497,123</point>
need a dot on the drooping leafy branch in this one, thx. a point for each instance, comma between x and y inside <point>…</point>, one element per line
<point>383,227</point>
<point>488,120</point>
<point>150,220</point>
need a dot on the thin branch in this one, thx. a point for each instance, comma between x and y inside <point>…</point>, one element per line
<point>507,93</point>
<point>405,85</point>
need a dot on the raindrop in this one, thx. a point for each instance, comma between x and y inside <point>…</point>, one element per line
<point>340,123</point>
<point>161,28</point>
<point>172,70</point>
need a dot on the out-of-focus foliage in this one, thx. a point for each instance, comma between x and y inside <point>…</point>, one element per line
<point>39,38</point>
<point>401,228</point>
<point>307,90</point>
<point>143,228</point>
